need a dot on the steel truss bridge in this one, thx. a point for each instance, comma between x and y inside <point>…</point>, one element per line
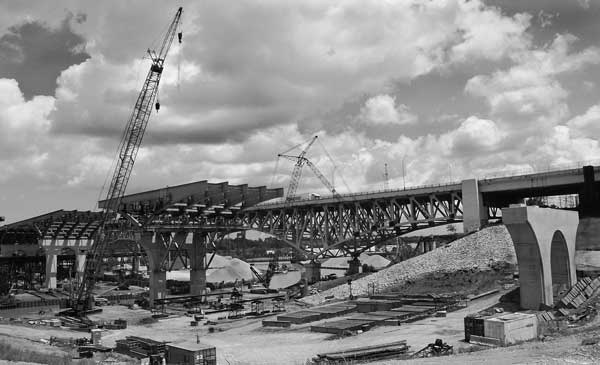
<point>346,224</point>
<point>353,224</point>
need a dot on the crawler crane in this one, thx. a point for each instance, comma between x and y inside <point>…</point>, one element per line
<point>82,299</point>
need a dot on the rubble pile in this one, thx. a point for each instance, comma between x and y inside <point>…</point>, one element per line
<point>480,251</point>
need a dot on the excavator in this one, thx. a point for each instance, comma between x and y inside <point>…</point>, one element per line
<point>82,300</point>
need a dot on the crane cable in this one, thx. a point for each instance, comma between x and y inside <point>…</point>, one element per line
<point>335,167</point>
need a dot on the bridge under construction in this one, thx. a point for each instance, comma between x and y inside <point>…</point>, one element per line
<point>187,221</point>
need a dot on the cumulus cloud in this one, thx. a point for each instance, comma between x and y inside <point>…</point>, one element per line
<point>473,136</point>
<point>236,93</point>
<point>382,109</point>
<point>587,124</point>
<point>529,92</point>
<point>35,54</point>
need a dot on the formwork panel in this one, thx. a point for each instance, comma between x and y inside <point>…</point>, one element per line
<point>372,305</point>
<point>340,327</point>
<point>300,317</point>
<point>368,317</point>
<point>334,310</point>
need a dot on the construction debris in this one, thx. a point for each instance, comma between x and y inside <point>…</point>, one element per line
<point>438,348</point>
<point>575,305</point>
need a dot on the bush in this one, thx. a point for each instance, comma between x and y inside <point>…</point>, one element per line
<point>13,352</point>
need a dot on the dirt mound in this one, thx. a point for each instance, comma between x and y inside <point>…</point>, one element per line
<point>481,250</point>
<point>235,269</point>
<point>222,269</point>
<point>377,261</point>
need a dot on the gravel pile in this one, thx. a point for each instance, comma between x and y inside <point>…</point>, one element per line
<point>479,250</point>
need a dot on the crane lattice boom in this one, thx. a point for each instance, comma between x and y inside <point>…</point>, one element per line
<point>128,149</point>
<point>300,161</point>
<point>297,172</point>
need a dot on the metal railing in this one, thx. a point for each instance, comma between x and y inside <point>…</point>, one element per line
<point>566,168</point>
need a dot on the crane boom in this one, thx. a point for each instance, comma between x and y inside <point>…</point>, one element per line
<point>321,177</point>
<point>297,172</point>
<point>128,149</point>
<point>316,171</point>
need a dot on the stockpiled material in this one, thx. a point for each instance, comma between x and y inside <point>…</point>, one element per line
<point>222,269</point>
<point>479,250</point>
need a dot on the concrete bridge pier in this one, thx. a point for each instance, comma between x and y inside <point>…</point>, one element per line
<point>80,257</point>
<point>354,266</point>
<point>313,271</point>
<point>158,276</point>
<point>198,264</point>
<point>51,266</point>
<point>544,241</point>
<point>475,213</point>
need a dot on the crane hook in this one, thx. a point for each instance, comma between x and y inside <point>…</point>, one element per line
<point>157,106</point>
<point>180,36</point>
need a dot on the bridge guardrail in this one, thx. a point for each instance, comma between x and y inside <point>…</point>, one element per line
<point>565,168</point>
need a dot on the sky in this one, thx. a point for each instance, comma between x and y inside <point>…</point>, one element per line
<point>438,90</point>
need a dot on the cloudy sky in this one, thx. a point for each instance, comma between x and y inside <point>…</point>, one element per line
<point>455,89</point>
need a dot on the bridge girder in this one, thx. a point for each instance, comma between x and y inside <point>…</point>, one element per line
<point>353,225</point>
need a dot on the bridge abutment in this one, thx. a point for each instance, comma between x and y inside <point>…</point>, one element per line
<point>544,241</point>
<point>475,214</point>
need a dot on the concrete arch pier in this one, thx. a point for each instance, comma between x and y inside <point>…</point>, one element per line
<point>544,242</point>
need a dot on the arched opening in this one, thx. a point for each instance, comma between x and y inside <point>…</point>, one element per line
<point>559,261</point>
<point>529,261</point>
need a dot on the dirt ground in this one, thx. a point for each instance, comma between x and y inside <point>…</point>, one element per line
<point>245,341</point>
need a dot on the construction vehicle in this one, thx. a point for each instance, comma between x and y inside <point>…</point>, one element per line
<point>82,299</point>
<point>438,348</point>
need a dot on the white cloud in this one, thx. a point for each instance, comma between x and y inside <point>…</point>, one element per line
<point>587,124</point>
<point>529,93</point>
<point>473,136</point>
<point>382,109</point>
<point>249,77</point>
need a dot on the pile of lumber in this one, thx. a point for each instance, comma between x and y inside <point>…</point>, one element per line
<point>77,324</point>
<point>580,294</point>
<point>140,347</point>
<point>369,353</point>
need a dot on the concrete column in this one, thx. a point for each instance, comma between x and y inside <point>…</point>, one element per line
<point>80,263</point>
<point>588,197</point>
<point>158,285</point>
<point>51,267</point>
<point>198,263</point>
<point>475,214</point>
<point>313,271</point>
<point>354,267</point>
<point>155,252</point>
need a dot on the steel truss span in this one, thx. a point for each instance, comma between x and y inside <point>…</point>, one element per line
<point>353,226</point>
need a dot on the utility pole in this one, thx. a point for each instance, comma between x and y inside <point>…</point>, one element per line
<point>403,173</point>
<point>386,178</point>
